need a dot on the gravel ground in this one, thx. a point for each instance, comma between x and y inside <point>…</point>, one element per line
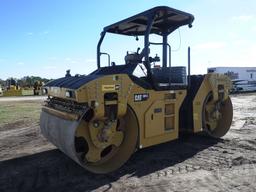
<point>193,163</point>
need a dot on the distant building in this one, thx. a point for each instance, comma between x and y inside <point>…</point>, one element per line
<point>243,78</point>
<point>236,73</point>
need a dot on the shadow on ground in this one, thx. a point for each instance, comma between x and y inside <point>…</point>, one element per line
<point>53,171</point>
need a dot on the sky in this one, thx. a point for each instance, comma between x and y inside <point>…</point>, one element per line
<point>47,37</point>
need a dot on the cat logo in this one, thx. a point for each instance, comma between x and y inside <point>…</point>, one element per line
<point>141,97</point>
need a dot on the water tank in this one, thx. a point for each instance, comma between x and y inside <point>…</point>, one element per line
<point>173,75</point>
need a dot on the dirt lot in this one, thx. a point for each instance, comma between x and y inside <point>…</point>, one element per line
<point>193,163</point>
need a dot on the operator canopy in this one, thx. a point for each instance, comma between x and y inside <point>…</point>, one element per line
<point>165,21</point>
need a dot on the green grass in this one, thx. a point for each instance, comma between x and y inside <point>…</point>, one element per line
<point>11,112</point>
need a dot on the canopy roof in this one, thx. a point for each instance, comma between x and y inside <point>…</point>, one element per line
<point>166,20</point>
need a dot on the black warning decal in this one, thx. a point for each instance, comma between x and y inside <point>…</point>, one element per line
<point>141,97</point>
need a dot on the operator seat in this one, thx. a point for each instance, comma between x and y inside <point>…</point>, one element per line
<point>136,57</point>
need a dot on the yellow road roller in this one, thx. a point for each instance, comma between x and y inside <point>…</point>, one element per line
<point>99,120</point>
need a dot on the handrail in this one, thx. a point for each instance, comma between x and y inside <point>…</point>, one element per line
<point>108,57</point>
<point>152,43</point>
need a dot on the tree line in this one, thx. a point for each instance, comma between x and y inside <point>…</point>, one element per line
<point>27,81</point>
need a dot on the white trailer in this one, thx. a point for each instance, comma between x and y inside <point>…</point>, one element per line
<point>243,78</point>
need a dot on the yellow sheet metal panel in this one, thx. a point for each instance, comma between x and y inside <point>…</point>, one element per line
<point>154,119</point>
<point>166,127</point>
<point>198,105</point>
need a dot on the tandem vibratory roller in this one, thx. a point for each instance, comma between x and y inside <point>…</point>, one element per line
<point>99,120</point>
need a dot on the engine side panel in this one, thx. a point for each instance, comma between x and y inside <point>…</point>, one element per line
<point>157,113</point>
